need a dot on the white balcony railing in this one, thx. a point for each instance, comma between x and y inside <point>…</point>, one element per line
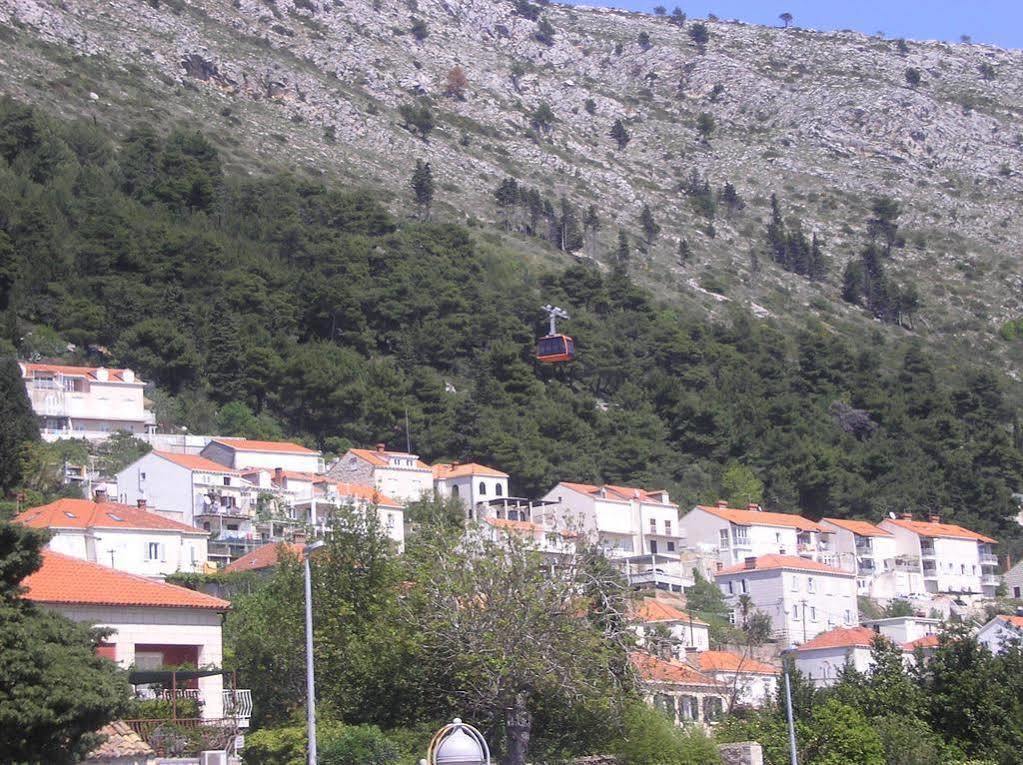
<point>238,704</point>
<point>987,559</point>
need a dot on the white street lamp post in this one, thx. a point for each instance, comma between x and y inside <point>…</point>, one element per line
<point>310,685</point>
<point>457,743</point>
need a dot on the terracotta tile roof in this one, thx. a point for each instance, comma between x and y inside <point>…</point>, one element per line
<point>195,462</point>
<point>768,562</point>
<point>368,493</point>
<point>121,743</point>
<point>653,610</point>
<point>380,459</point>
<point>748,517</point>
<point>86,514</point>
<point>726,661</point>
<point>653,669</point>
<point>941,530</point>
<point>841,637</point>
<point>264,557</point>
<point>443,470</point>
<point>927,641</point>
<point>66,580</point>
<point>617,493</point>
<point>1015,621</point>
<point>114,375</point>
<point>273,447</point>
<point>861,528</point>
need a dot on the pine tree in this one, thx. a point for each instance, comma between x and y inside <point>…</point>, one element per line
<point>678,17</point>
<point>622,252</point>
<point>685,254</point>
<point>570,236</point>
<point>422,186</point>
<point>650,227</point>
<point>19,423</point>
<point>620,135</point>
<point>507,196</point>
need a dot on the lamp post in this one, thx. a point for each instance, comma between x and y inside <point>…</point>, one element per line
<point>310,686</point>
<point>457,743</point>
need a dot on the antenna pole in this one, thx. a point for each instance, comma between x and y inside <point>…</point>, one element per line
<point>408,434</point>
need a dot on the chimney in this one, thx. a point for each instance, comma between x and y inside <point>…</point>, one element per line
<point>749,563</point>
<point>722,503</point>
<point>278,475</point>
<point>906,516</point>
<point>381,447</point>
<point>100,494</point>
<point>298,537</point>
<point>718,566</point>
<point>934,518</point>
<point>141,502</point>
<point>754,507</point>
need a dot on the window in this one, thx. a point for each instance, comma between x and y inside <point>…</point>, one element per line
<point>813,613</point>
<point>731,590</point>
<point>688,707</point>
<point>962,568</point>
<point>671,547</point>
<point>667,528</point>
<point>795,613</point>
<point>724,537</point>
<point>848,619</point>
<point>653,525</point>
<point>795,583</point>
<point>777,537</point>
<point>227,480</point>
<point>454,491</point>
<point>154,551</point>
<point>498,489</point>
<point>744,586</point>
<point>142,476</point>
<point>483,488</point>
<point>712,708</point>
<point>390,520</point>
<point>1016,592</point>
<point>741,534</point>
<point>810,584</point>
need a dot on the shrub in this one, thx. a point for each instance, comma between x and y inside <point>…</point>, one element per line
<point>358,745</point>
<point>651,738</point>
<point>699,34</point>
<point>912,77</point>
<point>544,32</point>
<point>419,29</point>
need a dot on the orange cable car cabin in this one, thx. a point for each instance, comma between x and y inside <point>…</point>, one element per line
<point>555,348</point>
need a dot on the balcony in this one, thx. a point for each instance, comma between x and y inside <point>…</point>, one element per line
<point>186,737</point>
<point>866,567</point>
<point>238,705</point>
<point>927,552</point>
<point>988,559</point>
<point>992,580</point>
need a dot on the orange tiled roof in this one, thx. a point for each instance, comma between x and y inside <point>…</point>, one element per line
<point>761,518</point>
<point>927,641</point>
<point>120,742</point>
<point>264,557</point>
<point>860,528</point>
<point>86,514</point>
<point>273,447</point>
<point>841,637</point>
<point>1015,621</point>
<point>368,493</point>
<point>374,457</point>
<point>652,669</point>
<point>195,462</point>
<point>942,530</point>
<point>443,470</point>
<point>726,661</point>
<point>115,375</point>
<point>653,610</point>
<point>768,562</point>
<point>616,493</point>
<point>66,580</point>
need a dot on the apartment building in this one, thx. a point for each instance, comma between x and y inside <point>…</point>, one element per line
<point>86,402</point>
<point>660,625</point>
<point>735,534</point>
<point>684,693</point>
<point>123,537</point>
<point>952,559</point>
<point>802,597</point>
<point>470,482</point>
<point>316,513</point>
<point>823,658</point>
<point>871,553</point>
<point>400,475</point>
<point>244,454</point>
<point>750,682</point>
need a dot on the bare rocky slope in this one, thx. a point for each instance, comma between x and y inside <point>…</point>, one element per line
<point>826,120</point>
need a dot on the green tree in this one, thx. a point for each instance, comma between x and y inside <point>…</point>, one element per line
<point>55,692</point>
<point>419,29</point>
<point>544,32</point>
<point>838,734</point>
<point>542,118</point>
<point>786,18</point>
<point>700,35</point>
<point>648,224</point>
<point>741,486</point>
<point>644,41</point>
<point>650,738</point>
<point>912,77</point>
<point>422,186</point>
<point>620,135</point>
<point>20,427</point>
<point>678,17</point>
<point>705,125</point>
<point>417,118</point>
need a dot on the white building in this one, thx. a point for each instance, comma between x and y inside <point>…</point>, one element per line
<point>397,474</point>
<point>823,658</point>
<point>870,552</point>
<point>86,402</point>
<point>680,690</point>
<point>243,453</point>
<point>952,559</point>
<point>803,598</point>
<point>471,482</point>
<point>120,536</point>
<point>904,629</point>
<point>750,682</point>
<point>1013,579</point>
<point>999,631</point>
<point>154,624</point>
<point>658,623</point>
<point>316,513</point>
<point>736,534</point>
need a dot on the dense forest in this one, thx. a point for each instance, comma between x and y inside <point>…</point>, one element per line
<point>282,306</point>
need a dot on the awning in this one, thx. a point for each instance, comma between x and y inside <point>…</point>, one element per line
<point>147,676</point>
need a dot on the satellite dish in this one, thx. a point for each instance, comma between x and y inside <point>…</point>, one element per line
<point>891,515</point>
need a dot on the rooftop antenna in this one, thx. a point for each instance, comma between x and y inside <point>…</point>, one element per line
<point>553,314</point>
<point>408,434</point>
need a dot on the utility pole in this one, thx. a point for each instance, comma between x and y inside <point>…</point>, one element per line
<point>804,621</point>
<point>788,714</point>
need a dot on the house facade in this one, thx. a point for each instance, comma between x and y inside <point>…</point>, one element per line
<point>472,483</point>
<point>681,691</point>
<point>154,624</point>
<point>316,513</point>
<point>243,453</point>
<point>904,629</point>
<point>1013,579</point>
<point>400,475</point>
<point>802,597</point>
<point>1000,630</point>
<point>660,625</point>
<point>953,560</point>
<point>735,534</point>
<point>871,553</point>
<point>123,537</point>
<point>823,658</point>
<point>86,402</point>
<point>750,682</point>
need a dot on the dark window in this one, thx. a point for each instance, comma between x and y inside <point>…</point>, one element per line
<point>498,490</point>
<point>483,488</point>
<point>454,491</point>
<point>552,346</point>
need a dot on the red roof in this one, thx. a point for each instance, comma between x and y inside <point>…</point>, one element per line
<point>368,493</point>
<point>653,610</point>
<point>264,557</point>
<point>941,530</point>
<point>443,470</point>
<point>276,447</point>
<point>927,641</point>
<point>860,528</point>
<point>768,562</point>
<point>85,514</point>
<point>841,637</point>
<point>761,518</point>
<point>66,580</point>
<point>653,669</point>
<point>113,375</point>
<point>617,493</point>
<point>1015,621</point>
<point>195,462</point>
<point>726,661</point>
<point>380,458</point>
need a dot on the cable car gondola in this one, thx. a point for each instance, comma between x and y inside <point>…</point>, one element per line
<point>555,348</point>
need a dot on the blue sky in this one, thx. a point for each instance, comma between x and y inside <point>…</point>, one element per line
<point>999,22</point>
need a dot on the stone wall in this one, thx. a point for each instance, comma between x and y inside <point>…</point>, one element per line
<point>745,753</point>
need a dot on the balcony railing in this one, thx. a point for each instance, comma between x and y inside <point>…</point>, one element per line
<point>238,704</point>
<point>926,551</point>
<point>991,579</point>
<point>987,559</point>
<point>186,737</point>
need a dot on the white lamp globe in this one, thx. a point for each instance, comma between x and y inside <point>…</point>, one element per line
<point>459,748</point>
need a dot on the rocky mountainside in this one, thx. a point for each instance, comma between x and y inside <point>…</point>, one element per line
<point>828,121</point>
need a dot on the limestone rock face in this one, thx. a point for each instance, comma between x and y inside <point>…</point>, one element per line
<point>825,120</point>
